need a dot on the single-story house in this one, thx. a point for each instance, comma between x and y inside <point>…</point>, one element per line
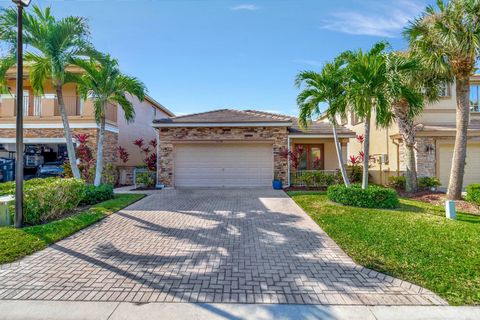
<point>240,148</point>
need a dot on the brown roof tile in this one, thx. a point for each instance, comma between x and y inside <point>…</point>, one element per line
<point>253,116</point>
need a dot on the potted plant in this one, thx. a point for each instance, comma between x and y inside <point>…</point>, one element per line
<point>277,183</point>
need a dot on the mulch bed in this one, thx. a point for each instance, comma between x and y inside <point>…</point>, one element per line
<point>438,199</point>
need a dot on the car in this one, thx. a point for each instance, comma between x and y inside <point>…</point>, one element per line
<point>50,169</point>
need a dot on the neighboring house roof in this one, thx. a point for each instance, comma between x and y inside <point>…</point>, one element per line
<point>228,117</point>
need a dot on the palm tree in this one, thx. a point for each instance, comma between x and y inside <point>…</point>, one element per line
<point>103,81</point>
<point>447,39</point>
<point>366,74</point>
<point>327,86</point>
<point>54,44</point>
<point>410,87</point>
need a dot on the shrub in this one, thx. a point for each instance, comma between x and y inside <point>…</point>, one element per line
<point>397,182</point>
<point>372,197</point>
<point>473,193</point>
<point>98,194</point>
<point>354,173</point>
<point>146,179</point>
<point>428,182</point>
<point>318,178</point>
<point>47,199</point>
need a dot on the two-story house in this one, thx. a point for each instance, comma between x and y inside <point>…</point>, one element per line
<point>435,138</point>
<point>43,129</point>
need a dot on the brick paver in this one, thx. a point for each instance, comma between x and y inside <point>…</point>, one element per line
<point>236,246</point>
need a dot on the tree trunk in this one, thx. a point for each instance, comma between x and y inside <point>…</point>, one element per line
<point>66,131</point>
<point>341,165</point>
<point>455,184</point>
<point>99,165</point>
<point>407,130</point>
<point>366,152</point>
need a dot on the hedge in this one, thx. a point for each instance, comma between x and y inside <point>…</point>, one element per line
<point>372,197</point>
<point>47,199</point>
<point>473,193</point>
<point>98,194</point>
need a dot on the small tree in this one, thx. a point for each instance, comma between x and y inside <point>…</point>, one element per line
<point>327,86</point>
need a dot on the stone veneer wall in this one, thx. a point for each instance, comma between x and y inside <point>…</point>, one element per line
<point>278,135</point>
<point>110,144</point>
<point>426,159</point>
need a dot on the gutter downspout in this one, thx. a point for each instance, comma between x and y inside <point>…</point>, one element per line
<point>398,156</point>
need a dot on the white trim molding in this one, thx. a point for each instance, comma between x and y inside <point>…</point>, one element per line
<point>91,125</point>
<point>221,124</point>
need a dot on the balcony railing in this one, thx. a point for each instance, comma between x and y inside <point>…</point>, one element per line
<point>72,106</point>
<point>314,178</point>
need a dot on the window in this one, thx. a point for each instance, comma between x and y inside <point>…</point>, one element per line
<point>154,112</point>
<point>343,120</point>
<point>311,157</point>
<point>475,98</point>
<point>444,90</point>
<point>356,119</point>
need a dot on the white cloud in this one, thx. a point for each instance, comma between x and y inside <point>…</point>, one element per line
<point>247,7</point>
<point>384,20</point>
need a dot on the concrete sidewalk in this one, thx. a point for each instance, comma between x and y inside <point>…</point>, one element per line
<point>67,310</point>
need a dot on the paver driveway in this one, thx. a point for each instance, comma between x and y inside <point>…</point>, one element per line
<point>254,246</point>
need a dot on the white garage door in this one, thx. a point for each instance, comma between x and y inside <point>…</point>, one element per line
<point>472,167</point>
<point>223,165</point>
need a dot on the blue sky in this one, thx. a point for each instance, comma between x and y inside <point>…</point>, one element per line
<point>202,55</point>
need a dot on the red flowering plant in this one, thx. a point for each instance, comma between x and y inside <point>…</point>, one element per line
<point>294,156</point>
<point>85,157</point>
<point>149,151</point>
<point>123,154</point>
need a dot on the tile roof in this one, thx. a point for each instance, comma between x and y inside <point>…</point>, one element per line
<point>253,116</point>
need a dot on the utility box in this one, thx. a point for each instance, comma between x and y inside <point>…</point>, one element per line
<point>4,212</point>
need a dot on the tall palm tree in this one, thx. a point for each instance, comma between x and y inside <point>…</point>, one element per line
<point>410,86</point>
<point>366,93</point>
<point>328,86</point>
<point>53,45</point>
<point>447,38</point>
<point>103,81</point>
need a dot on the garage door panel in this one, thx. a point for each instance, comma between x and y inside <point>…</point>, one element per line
<point>223,165</point>
<point>472,167</point>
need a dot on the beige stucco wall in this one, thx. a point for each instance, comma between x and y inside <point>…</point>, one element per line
<point>141,127</point>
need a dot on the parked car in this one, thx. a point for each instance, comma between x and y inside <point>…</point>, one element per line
<point>50,169</point>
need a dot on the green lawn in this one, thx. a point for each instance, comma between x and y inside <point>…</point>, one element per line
<point>415,243</point>
<point>17,243</point>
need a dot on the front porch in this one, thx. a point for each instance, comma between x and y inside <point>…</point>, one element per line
<point>313,161</point>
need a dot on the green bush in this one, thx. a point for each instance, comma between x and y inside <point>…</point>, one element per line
<point>47,199</point>
<point>397,182</point>
<point>317,179</point>
<point>146,179</point>
<point>98,194</point>
<point>372,197</point>
<point>473,193</point>
<point>354,173</point>
<point>428,183</point>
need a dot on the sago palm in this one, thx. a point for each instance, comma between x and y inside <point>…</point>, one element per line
<point>447,39</point>
<point>103,81</point>
<point>328,86</point>
<point>366,92</point>
<point>52,46</point>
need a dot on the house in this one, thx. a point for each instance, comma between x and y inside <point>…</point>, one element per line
<point>233,148</point>
<point>435,138</point>
<point>43,129</point>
